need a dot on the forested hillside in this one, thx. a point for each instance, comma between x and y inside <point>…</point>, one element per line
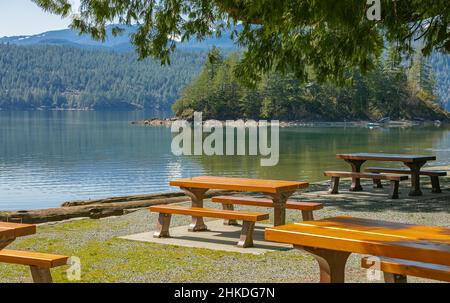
<point>62,77</point>
<point>61,69</point>
<point>390,90</point>
<point>50,76</point>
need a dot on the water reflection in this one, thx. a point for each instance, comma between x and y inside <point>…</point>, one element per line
<point>50,157</point>
<point>306,152</point>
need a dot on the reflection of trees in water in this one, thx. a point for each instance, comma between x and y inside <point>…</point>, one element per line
<point>441,148</point>
<point>306,152</point>
<point>78,137</point>
<point>79,140</point>
<point>50,157</point>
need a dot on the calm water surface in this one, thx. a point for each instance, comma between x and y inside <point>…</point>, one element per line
<point>47,158</point>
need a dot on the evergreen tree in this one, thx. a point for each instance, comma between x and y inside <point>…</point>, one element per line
<point>389,90</point>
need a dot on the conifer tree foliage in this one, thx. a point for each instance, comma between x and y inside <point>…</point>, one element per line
<point>320,39</point>
<point>390,89</point>
<point>46,76</point>
<point>441,71</point>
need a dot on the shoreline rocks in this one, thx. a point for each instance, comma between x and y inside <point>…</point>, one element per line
<point>155,122</point>
<point>252,123</point>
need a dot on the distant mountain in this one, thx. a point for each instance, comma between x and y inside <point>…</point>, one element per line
<point>121,43</point>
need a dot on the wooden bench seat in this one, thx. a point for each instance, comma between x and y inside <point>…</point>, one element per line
<point>40,263</point>
<point>396,270</point>
<point>306,208</point>
<point>394,178</point>
<point>433,174</point>
<point>248,218</point>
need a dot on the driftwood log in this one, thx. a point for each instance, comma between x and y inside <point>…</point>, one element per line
<point>96,209</point>
<point>125,199</point>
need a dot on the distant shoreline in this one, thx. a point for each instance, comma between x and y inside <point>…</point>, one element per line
<point>391,124</point>
<point>48,109</point>
<point>294,123</point>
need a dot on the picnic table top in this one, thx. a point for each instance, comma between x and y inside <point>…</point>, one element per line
<point>386,157</point>
<point>10,231</point>
<point>16,229</point>
<point>430,244</point>
<point>240,184</point>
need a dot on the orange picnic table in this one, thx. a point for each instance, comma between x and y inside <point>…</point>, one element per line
<point>278,190</point>
<point>10,231</point>
<point>332,240</point>
<point>414,162</point>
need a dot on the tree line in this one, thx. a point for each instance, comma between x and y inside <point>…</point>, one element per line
<point>392,89</point>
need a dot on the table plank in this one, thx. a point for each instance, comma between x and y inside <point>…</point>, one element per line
<point>386,157</point>
<point>239,184</point>
<point>17,229</point>
<point>379,238</point>
<point>10,231</point>
<point>381,227</point>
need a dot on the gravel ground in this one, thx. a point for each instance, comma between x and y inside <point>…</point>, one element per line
<point>105,258</point>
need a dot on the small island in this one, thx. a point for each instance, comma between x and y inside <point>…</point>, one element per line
<point>390,95</point>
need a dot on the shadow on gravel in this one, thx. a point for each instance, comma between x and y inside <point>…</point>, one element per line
<point>376,200</point>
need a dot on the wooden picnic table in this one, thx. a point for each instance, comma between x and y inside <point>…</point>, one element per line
<point>332,240</point>
<point>278,190</point>
<point>414,162</point>
<point>10,231</point>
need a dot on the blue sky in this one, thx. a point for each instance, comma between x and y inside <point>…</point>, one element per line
<point>23,17</point>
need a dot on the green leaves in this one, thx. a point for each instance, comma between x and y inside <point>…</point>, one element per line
<point>312,39</point>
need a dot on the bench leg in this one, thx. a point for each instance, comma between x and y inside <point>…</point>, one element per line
<point>394,278</point>
<point>377,183</point>
<point>41,274</point>
<point>436,188</point>
<point>331,263</point>
<point>246,238</point>
<point>307,215</point>
<point>162,226</point>
<point>229,221</point>
<point>394,189</point>
<point>334,186</point>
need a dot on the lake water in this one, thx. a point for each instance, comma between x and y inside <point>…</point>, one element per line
<point>47,158</point>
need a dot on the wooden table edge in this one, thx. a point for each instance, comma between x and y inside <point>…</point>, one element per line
<point>371,247</point>
<point>274,190</point>
<point>389,159</point>
<point>21,230</point>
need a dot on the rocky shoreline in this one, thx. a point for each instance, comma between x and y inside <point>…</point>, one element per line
<point>155,122</point>
<point>247,123</point>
